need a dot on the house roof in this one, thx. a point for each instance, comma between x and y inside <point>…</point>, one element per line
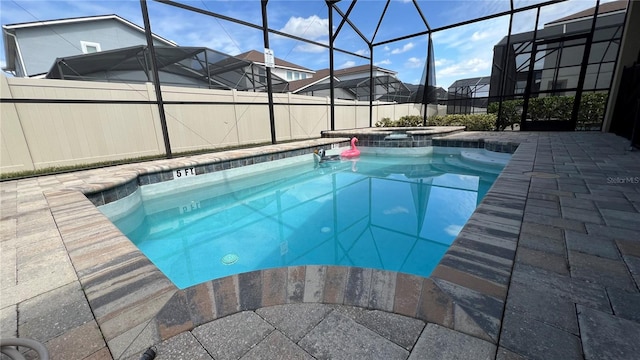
<point>297,85</point>
<point>604,8</point>
<point>258,57</point>
<point>360,69</point>
<point>395,89</point>
<point>476,81</point>
<point>323,74</point>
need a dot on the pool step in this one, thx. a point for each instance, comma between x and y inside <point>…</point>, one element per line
<point>486,157</point>
<point>460,163</point>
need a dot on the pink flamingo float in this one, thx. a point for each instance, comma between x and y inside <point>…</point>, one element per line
<point>353,152</point>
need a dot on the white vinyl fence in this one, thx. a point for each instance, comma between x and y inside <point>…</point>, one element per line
<point>43,128</point>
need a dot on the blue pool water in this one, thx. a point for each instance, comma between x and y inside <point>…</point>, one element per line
<point>392,213</point>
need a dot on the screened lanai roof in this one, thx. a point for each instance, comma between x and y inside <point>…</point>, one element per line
<point>387,88</point>
<point>183,66</point>
<point>471,82</point>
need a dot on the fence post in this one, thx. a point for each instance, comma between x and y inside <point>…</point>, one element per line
<point>234,96</point>
<point>289,101</point>
<point>14,137</point>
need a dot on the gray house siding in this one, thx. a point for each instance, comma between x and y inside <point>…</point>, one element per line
<point>40,46</point>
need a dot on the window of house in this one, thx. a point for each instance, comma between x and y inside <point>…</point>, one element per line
<point>289,75</point>
<point>561,84</point>
<point>89,47</point>
<point>262,75</point>
<point>296,76</point>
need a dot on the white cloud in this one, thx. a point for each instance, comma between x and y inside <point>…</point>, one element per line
<point>396,210</point>
<point>414,62</point>
<point>312,27</point>
<point>310,48</point>
<point>441,62</point>
<point>347,64</point>
<point>386,48</point>
<point>479,35</point>
<point>383,62</point>
<point>223,44</point>
<point>453,229</point>
<point>405,48</point>
<point>473,36</point>
<point>362,52</point>
<point>466,67</point>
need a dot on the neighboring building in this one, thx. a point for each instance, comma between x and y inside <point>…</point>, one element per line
<point>31,48</point>
<point>437,95</point>
<point>563,58</point>
<point>353,84</point>
<point>468,96</point>
<point>110,48</point>
<point>548,62</point>
<point>283,69</point>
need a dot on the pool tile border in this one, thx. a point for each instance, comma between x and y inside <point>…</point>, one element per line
<point>136,305</point>
<point>384,137</point>
<point>203,165</point>
<point>495,146</point>
<point>104,196</point>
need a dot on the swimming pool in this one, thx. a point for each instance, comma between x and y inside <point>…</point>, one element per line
<point>394,213</point>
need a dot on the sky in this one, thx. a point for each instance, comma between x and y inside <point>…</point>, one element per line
<point>459,53</point>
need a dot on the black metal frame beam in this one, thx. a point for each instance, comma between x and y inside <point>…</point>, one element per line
<point>371,89</point>
<point>532,61</point>
<point>583,69</point>
<point>424,19</point>
<point>384,11</point>
<point>156,78</point>
<point>265,33</point>
<point>615,66</point>
<point>345,18</point>
<point>331,6</point>
<point>425,90</point>
<point>332,99</point>
<point>503,79</point>
<point>154,102</point>
<point>257,27</point>
<point>484,18</point>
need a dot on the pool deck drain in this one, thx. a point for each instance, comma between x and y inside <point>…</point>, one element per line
<point>547,267</point>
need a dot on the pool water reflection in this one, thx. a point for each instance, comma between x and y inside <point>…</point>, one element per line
<point>391,213</point>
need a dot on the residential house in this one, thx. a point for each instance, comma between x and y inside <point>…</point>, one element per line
<point>112,49</point>
<point>283,69</point>
<point>549,61</point>
<point>353,83</point>
<point>467,96</point>
<point>31,48</point>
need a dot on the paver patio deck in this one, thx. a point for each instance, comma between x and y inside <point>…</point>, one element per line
<point>548,267</point>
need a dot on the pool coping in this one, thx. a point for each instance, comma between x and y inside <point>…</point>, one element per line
<point>136,306</point>
<point>573,288</point>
